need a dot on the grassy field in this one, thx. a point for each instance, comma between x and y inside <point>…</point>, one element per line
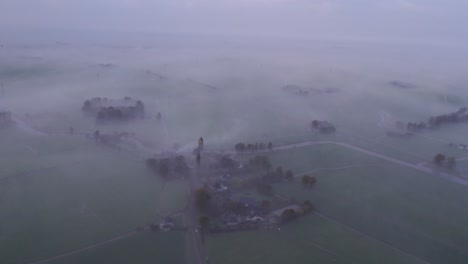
<point>72,194</point>
<point>142,248</point>
<point>407,211</point>
<point>309,240</point>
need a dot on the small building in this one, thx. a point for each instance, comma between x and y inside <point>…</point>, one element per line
<point>167,224</point>
<point>462,146</point>
<point>219,186</point>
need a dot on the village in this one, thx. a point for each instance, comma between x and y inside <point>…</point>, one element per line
<point>232,195</point>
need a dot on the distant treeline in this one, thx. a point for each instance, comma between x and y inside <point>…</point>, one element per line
<point>106,110</point>
<point>437,121</point>
<point>257,147</point>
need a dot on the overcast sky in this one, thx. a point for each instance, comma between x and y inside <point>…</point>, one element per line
<point>389,19</point>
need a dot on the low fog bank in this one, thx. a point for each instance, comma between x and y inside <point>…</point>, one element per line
<point>230,89</point>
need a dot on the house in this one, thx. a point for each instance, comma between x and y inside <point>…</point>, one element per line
<point>219,187</point>
<point>167,224</point>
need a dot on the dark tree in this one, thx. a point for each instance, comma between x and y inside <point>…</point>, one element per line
<point>308,181</point>
<point>307,206</point>
<point>288,215</point>
<point>439,159</point>
<point>270,146</point>
<point>198,159</point>
<point>451,163</point>
<point>315,124</point>
<point>289,175</point>
<point>202,198</point>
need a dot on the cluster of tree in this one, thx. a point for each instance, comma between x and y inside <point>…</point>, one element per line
<point>260,162</point>
<point>257,147</point>
<point>442,161</point>
<point>202,199</point>
<point>168,168</point>
<point>307,206</point>
<point>323,127</point>
<point>455,117</point>
<point>437,121</point>
<point>308,181</point>
<point>106,110</point>
<point>295,89</point>
<point>278,175</point>
<point>289,215</point>
<point>122,113</point>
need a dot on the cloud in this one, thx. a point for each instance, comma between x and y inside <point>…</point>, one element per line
<point>403,18</point>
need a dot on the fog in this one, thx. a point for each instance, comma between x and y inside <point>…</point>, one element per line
<point>81,183</point>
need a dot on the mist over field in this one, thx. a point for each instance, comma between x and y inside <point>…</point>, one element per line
<point>248,131</point>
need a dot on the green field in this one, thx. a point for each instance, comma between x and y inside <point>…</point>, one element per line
<point>72,194</point>
<point>311,239</point>
<point>141,248</point>
<point>393,208</point>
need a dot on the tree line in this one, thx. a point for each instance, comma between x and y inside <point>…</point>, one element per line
<point>441,160</point>
<point>437,121</point>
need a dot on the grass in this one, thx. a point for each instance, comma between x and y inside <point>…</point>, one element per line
<point>90,194</point>
<point>309,240</point>
<point>419,213</point>
<point>165,247</point>
<point>406,210</point>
